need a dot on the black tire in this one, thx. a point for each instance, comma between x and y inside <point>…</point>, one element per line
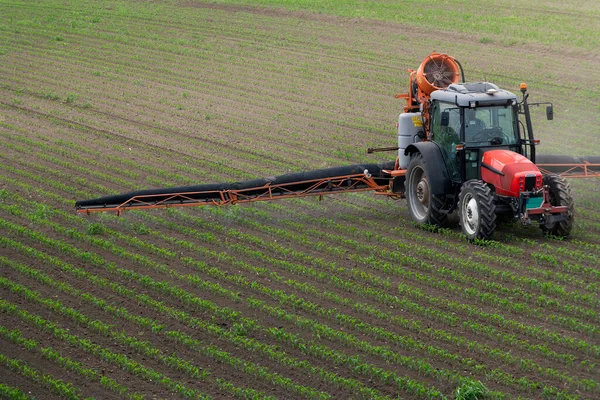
<point>559,194</point>
<point>423,206</point>
<point>476,210</point>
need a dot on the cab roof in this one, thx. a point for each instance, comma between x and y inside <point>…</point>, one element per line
<point>474,94</point>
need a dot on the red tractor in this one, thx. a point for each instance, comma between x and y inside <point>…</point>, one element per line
<point>472,153</point>
<point>461,146</point>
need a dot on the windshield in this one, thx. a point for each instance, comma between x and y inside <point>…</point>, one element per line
<point>494,125</point>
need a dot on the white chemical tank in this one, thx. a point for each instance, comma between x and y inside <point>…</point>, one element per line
<point>409,125</point>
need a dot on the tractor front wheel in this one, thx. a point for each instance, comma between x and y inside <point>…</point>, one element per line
<point>476,210</point>
<point>424,206</point>
<point>559,194</point>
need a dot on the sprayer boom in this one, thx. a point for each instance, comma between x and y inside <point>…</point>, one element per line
<point>353,178</point>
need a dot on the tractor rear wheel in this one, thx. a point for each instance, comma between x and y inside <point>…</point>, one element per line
<point>559,194</point>
<point>476,210</point>
<point>424,206</point>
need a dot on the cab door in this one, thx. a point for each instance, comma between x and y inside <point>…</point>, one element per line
<point>445,128</point>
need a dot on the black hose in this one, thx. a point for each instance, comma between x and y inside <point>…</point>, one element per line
<point>462,72</point>
<point>212,190</point>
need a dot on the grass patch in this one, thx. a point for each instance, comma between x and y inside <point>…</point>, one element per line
<point>539,25</point>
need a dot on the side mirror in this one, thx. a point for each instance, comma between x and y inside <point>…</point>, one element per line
<point>549,112</point>
<point>445,118</point>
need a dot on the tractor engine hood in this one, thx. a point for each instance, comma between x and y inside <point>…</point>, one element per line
<point>510,172</point>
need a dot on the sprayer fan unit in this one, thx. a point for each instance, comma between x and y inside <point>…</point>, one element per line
<point>439,74</point>
<point>437,71</point>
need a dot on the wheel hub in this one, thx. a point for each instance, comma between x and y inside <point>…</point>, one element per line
<point>471,216</point>
<point>423,192</point>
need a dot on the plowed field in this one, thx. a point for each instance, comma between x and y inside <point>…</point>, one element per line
<point>338,298</point>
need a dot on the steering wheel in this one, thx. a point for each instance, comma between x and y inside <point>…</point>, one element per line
<point>493,135</point>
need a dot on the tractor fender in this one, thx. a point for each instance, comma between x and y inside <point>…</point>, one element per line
<point>435,166</point>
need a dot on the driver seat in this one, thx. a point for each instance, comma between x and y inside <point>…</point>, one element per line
<point>473,127</point>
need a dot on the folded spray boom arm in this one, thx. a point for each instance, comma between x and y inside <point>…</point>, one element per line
<point>354,178</point>
<point>569,166</point>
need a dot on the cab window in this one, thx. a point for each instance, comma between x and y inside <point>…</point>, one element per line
<point>445,129</point>
<point>494,125</point>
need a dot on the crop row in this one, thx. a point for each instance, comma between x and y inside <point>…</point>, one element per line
<point>487,256</point>
<point>408,384</point>
<point>173,291</point>
<point>120,360</point>
<point>231,54</point>
<point>204,234</point>
<point>61,147</point>
<point>272,276</point>
<point>191,35</point>
<point>412,243</point>
<point>63,389</point>
<point>12,393</point>
<point>154,40</point>
<point>404,249</point>
<point>228,57</point>
<point>372,261</point>
<point>268,156</point>
<point>524,381</point>
<point>16,337</point>
<point>121,312</point>
<point>144,347</point>
<point>278,332</point>
<point>194,166</point>
<point>68,150</point>
<point>170,178</point>
<point>161,90</point>
<point>400,257</point>
<point>244,127</point>
<point>236,334</point>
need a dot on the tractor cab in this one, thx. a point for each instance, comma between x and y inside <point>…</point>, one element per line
<point>469,119</point>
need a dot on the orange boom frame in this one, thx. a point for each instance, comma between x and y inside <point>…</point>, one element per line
<point>315,187</point>
<point>584,170</point>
